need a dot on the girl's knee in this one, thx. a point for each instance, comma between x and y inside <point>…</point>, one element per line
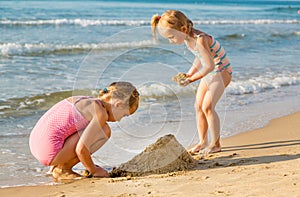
<point>207,109</point>
<point>199,111</point>
<point>107,131</point>
<point>198,107</point>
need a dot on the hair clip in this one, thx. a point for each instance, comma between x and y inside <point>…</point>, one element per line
<point>105,90</point>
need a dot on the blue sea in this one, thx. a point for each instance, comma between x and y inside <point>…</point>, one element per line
<point>50,50</point>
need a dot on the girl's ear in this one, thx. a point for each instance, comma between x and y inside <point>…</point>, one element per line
<point>183,29</point>
<point>118,103</point>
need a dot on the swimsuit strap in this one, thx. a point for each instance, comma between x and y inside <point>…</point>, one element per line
<point>99,102</point>
<point>213,41</point>
<point>201,35</point>
<point>83,97</point>
<point>86,97</point>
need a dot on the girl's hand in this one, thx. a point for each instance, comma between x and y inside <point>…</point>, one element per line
<point>185,82</point>
<point>182,79</point>
<point>188,75</point>
<point>100,172</point>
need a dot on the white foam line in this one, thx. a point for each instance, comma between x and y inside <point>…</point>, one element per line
<point>97,22</point>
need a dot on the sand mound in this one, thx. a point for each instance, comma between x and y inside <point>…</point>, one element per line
<point>165,155</point>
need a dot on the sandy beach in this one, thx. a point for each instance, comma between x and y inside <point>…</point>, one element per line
<point>262,162</point>
<point>50,51</point>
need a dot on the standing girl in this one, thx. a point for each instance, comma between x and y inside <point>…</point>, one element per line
<point>76,127</point>
<point>211,65</point>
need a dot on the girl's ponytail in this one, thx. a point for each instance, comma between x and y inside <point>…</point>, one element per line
<point>154,23</point>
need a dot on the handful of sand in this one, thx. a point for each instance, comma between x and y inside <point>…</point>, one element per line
<point>180,78</point>
<point>164,156</point>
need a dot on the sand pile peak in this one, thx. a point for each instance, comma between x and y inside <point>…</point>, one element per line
<point>163,156</point>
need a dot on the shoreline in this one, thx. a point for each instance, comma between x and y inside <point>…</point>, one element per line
<point>261,162</point>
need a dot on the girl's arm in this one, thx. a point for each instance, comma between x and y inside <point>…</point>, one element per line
<point>194,68</point>
<point>93,137</point>
<point>205,58</point>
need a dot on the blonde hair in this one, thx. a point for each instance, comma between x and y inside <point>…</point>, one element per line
<point>175,20</point>
<point>124,91</point>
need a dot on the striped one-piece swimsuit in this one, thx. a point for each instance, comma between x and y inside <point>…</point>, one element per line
<point>220,57</point>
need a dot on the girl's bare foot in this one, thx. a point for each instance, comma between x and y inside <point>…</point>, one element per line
<point>210,149</point>
<point>65,174</point>
<point>197,148</point>
<point>49,173</point>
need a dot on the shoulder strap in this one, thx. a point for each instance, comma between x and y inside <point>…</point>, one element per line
<point>82,97</point>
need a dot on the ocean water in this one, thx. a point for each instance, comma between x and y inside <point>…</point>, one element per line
<point>50,50</point>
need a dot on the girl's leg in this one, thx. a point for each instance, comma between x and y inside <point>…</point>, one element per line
<point>201,120</point>
<point>50,170</point>
<point>216,86</point>
<point>66,159</point>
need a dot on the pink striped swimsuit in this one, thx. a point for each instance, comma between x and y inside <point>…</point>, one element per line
<point>53,128</point>
<point>220,57</point>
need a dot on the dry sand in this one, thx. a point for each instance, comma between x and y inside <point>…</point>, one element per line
<point>263,162</point>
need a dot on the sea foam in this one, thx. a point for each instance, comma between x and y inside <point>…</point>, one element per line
<point>98,22</point>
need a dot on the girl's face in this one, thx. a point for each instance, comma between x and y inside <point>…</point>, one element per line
<point>174,36</point>
<point>118,111</point>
